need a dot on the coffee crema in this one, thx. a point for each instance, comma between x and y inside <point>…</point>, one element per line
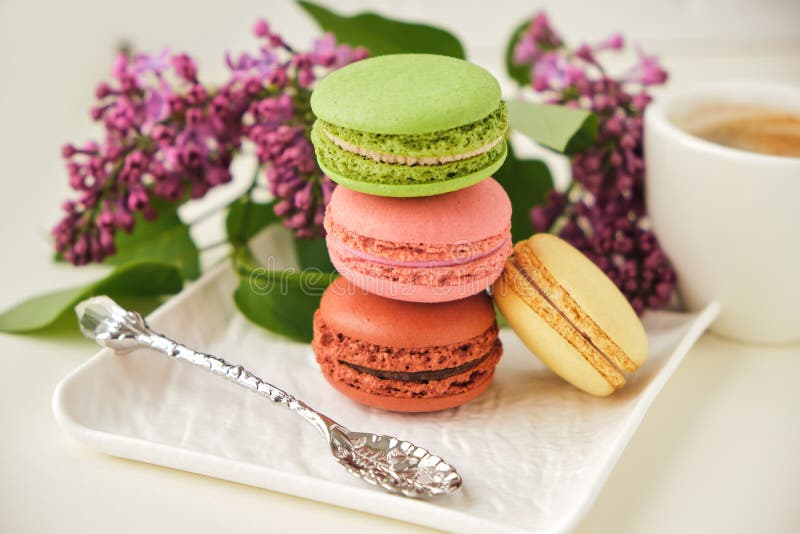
<point>745,127</point>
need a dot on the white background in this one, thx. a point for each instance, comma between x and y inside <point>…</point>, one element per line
<point>717,452</point>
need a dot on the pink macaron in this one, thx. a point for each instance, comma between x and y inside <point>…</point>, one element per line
<point>423,249</point>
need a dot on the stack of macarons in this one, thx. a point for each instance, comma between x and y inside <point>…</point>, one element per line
<point>417,229</point>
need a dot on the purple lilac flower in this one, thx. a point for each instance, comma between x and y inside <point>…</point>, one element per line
<point>160,140</point>
<point>273,87</point>
<point>168,136</point>
<point>603,212</point>
<point>537,39</point>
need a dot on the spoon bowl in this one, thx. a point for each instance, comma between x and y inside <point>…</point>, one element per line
<point>397,466</point>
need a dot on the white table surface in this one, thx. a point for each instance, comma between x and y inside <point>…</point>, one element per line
<point>718,451</point>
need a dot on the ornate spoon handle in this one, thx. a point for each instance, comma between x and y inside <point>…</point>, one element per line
<point>396,465</point>
<point>114,327</point>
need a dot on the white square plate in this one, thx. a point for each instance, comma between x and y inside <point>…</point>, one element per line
<point>534,452</point>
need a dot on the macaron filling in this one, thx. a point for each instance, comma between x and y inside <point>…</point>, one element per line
<point>444,387</point>
<point>432,148</point>
<point>411,160</point>
<point>419,376</point>
<point>434,264</point>
<point>450,259</point>
<point>472,276</point>
<point>338,162</point>
<point>399,253</point>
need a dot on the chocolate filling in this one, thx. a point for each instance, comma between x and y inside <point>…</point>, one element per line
<point>419,376</point>
<point>583,334</point>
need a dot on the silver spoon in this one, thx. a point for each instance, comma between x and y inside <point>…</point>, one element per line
<point>398,466</point>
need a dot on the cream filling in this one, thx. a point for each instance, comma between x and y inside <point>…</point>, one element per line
<point>409,160</point>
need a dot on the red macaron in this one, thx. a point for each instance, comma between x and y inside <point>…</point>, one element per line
<point>405,356</point>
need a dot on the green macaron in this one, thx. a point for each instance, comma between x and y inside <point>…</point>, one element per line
<point>409,125</point>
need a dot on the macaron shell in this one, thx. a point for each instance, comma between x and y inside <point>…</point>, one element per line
<point>406,94</point>
<point>394,323</point>
<point>477,212</point>
<point>552,349</point>
<point>537,286</point>
<point>414,292</point>
<point>553,315</point>
<point>594,292</point>
<point>412,189</point>
<point>411,405</point>
<point>357,334</point>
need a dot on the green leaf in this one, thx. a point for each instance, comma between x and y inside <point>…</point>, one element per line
<point>526,182</point>
<point>385,36</point>
<point>519,73</point>
<point>501,321</point>
<point>560,128</point>
<point>247,218</point>
<point>165,239</point>
<point>282,301</point>
<point>313,254</point>
<point>141,279</point>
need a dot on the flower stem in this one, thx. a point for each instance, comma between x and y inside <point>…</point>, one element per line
<point>216,209</point>
<point>213,245</point>
<point>254,179</point>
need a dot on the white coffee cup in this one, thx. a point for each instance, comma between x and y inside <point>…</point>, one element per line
<point>729,219</point>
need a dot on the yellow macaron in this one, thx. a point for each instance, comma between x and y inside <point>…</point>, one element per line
<point>570,314</point>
